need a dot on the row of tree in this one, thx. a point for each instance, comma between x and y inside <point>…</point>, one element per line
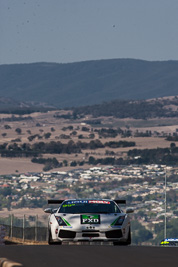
<point>145,156</point>
<point>141,109</point>
<point>28,150</point>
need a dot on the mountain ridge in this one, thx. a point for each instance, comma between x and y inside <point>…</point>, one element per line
<point>88,82</point>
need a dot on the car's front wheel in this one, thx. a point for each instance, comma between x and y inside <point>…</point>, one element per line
<point>50,240</point>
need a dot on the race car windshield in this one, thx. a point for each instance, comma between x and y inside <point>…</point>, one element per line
<point>78,207</point>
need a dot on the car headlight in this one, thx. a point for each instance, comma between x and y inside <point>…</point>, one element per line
<point>120,220</point>
<point>60,221</point>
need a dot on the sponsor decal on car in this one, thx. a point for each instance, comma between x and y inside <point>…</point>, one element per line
<point>67,223</point>
<point>77,202</point>
<point>113,223</point>
<point>68,205</point>
<point>90,219</point>
<point>72,202</point>
<point>171,239</point>
<point>98,202</point>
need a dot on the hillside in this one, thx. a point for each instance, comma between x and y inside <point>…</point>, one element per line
<point>90,82</point>
<point>166,107</point>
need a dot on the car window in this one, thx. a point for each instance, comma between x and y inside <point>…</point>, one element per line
<point>87,207</point>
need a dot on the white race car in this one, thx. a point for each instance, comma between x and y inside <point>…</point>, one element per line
<point>89,220</point>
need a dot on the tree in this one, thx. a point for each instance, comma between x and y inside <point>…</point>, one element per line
<point>74,133</point>
<point>85,129</point>
<point>65,162</point>
<point>91,135</point>
<point>144,235</point>
<point>172,145</point>
<point>91,160</point>
<point>18,130</point>
<point>28,131</point>
<point>73,163</point>
<point>140,233</point>
<point>6,126</point>
<point>47,135</point>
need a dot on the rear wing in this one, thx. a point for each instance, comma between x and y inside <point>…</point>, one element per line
<point>120,201</point>
<point>55,201</point>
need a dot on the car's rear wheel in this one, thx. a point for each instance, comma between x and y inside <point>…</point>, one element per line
<point>50,240</point>
<point>126,243</point>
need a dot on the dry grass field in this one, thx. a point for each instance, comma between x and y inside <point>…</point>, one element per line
<point>19,213</point>
<point>42,123</point>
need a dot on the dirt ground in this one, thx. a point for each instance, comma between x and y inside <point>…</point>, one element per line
<point>18,165</point>
<point>42,123</point>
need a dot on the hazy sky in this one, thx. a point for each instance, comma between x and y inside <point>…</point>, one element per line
<point>78,30</point>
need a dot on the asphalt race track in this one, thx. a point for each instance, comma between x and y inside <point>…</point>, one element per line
<point>93,256</point>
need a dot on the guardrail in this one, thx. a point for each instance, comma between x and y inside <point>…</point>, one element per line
<point>23,230</point>
<point>26,233</point>
<point>29,233</point>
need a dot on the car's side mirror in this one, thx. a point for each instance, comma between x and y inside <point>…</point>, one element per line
<point>129,210</point>
<point>48,210</point>
<point>54,210</point>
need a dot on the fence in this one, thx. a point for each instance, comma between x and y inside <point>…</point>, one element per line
<point>22,229</point>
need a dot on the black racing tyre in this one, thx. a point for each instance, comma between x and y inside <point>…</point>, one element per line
<point>50,241</point>
<point>128,242</point>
